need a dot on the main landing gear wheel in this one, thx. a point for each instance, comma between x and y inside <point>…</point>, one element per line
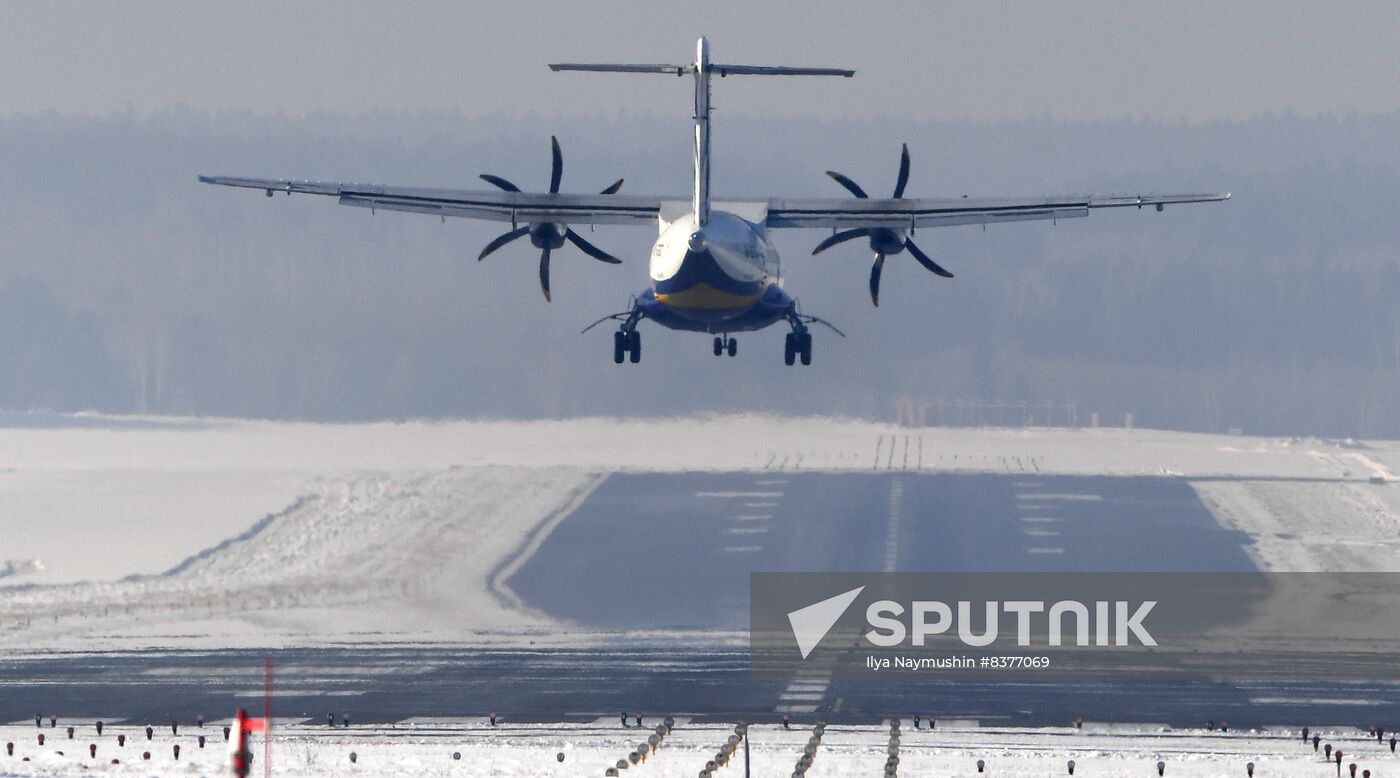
<point>798,345</point>
<point>719,345</point>
<point>627,344</point>
<point>732,347</point>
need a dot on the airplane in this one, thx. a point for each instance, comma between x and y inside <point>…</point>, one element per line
<point>713,267</point>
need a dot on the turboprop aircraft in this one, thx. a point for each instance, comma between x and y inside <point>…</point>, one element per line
<point>713,268</point>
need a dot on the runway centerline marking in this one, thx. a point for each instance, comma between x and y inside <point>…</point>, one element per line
<point>1060,496</point>
<point>752,517</point>
<point>1040,533</point>
<point>1044,550</point>
<point>732,495</point>
<point>1039,519</point>
<point>742,549</point>
<point>896,513</point>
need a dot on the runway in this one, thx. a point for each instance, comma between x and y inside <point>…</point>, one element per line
<point>653,566</point>
<point>387,684</point>
<point>675,550</point>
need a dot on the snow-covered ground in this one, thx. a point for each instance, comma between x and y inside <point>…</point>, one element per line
<point>118,532</point>
<point>426,748</point>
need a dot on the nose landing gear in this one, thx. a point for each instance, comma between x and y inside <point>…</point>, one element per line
<point>726,345</point>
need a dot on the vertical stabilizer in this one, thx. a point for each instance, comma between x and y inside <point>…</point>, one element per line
<point>702,132</point>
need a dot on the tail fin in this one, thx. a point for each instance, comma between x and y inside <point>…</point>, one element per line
<point>702,69</point>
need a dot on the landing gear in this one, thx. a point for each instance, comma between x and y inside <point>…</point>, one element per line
<point>627,343</point>
<point>726,345</point>
<point>798,346</point>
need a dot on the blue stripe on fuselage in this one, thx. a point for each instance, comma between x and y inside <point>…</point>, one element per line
<point>700,268</point>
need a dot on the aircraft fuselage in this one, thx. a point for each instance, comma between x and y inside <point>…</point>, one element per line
<point>723,277</point>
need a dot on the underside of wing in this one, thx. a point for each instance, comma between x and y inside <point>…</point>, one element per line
<point>845,213</point>
<point>501,206</point>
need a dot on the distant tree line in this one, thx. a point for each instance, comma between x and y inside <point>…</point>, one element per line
<point>125,286</point>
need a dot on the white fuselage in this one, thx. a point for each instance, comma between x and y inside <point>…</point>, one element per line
<point>717,271</point>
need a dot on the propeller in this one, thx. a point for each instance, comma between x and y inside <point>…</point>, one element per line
<point>884,241</point>
<point>548,236</point>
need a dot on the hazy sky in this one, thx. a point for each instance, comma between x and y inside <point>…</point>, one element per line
<point>981,60</point>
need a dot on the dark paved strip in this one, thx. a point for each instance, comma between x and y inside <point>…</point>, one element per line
<point>645,551</point>
<point>383,684</point>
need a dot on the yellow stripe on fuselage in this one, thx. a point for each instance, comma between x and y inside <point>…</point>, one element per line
<point>706,297</point>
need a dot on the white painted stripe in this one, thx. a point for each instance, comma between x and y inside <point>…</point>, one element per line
<point>756,530</point>
<point>752,517</point>
<point>741,549</point>
<point>1045,551</point>
<point>1039,519</point>
<point>1060,496</point>
<point>802,697</point>
<point>760,505</point>
<point>1040,533</point>
<point>796,709</point>
<point>770,481</point>
<point>732,495</point>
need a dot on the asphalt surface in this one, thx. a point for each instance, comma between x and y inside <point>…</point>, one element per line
<point>662,550</point>
<point>675,550</point>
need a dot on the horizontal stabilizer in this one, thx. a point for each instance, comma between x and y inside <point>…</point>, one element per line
<point>714,69</point>
<point>777,70</point>
<point>670,70</point>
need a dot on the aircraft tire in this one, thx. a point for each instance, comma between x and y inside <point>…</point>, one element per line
<point>619,346</point>
<point>790,349</point>
<point>732,347</point>
<point>806,348</point>
<point>634,347</point>
<point>719,345</point>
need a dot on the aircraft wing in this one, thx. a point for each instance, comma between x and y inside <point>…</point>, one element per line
<point>852,212</point>
<point>501,206</point>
